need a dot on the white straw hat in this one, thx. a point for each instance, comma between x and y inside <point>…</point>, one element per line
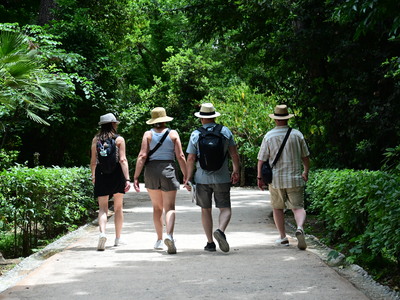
<point>281,113</point>
<point>207,111</point>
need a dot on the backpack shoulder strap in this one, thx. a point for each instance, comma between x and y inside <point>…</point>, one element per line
<point>202,130</point>
<point>217,129</point>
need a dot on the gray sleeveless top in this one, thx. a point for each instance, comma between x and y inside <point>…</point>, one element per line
<point>167,149</point>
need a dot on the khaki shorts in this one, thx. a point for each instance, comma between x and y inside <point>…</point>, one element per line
<point>221,191</point>
<point>160,175</point>
<point>291,198</point>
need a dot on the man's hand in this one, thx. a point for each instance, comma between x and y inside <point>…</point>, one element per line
<point>305,176</point>
<point>235,177</point>
<point>260,184</point>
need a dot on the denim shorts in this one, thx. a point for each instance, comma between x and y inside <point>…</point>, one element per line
<point>291,198</point>
<point>160,175</point>
<point>221,191</point>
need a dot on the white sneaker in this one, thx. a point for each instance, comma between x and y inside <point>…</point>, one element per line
<point>169,241</point>
<point>301,241</point>
<point>282,242</point>
<point>101,245</point>
<point>159,245</point>
<point>117,242</point>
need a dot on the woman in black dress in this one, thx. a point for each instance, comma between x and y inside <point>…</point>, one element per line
<point>109,182</point>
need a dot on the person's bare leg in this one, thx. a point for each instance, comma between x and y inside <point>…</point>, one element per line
<point>157,201</point>
<point>118,214</point>
<point>102,219</point>
<point>224,217</point>
<point>299,216</point>
<point>279,220</point>
<point>169,209</point>
<point>207,221</point>
<point>103,210</point>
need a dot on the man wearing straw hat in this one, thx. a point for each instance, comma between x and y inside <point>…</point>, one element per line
<point>288,180</point>
<point>216,182</point>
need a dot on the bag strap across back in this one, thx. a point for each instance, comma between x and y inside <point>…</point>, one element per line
<point>281,148</point>
<point>158,144</point>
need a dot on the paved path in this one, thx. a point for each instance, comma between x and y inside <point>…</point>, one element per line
<point>254,268</point>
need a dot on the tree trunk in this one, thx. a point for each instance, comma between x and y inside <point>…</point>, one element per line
<point>46,11</point>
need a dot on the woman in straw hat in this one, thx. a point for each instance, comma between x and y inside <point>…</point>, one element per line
<point>159,175</point>
<point>115,183</point>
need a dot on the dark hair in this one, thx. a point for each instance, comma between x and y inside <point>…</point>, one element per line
<point>106,131</point>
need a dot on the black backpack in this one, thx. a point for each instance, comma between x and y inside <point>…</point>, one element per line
<point>107,155</point>
<point>211,148</point>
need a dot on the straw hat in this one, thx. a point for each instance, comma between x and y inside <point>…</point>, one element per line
<point>158,115</point>
<point>281,113</point>
<point>207,111</point>
<point>108,118</point>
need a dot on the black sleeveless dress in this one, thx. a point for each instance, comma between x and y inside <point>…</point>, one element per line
<point>109,184</point>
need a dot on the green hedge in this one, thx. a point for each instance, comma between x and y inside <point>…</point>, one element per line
<point>360,211</point>
<point>41,203</point>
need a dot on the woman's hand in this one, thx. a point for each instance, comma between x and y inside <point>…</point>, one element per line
<point>127,186</point>
<point>136,185</point>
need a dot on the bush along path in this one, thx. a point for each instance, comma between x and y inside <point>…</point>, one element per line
<point>357,213</point>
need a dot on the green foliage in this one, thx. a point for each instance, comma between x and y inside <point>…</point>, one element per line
<point>7,158</point>
<point>39,203</point>
<point>24,83</point>
<point>7,243</point>
<point>360,212</point>
<point>391,162</point>
<point>372,14</point>
<point>334,63</point>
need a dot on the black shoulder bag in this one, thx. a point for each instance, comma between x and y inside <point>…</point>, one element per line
<point>158,145</point>
<point>266,169</point>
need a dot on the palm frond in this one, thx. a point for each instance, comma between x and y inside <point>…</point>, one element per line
<point>36,118</point>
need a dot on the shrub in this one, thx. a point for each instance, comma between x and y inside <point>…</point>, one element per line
<point>7,158</point>
<point>41,203</point>
<point>360,211</point>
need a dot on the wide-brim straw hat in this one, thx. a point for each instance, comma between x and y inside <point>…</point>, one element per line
<point>108,118</point>
<point>158,115</point>
<point>207,111</point>
<point>281,113</point>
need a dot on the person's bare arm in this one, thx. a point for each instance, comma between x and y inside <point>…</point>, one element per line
<point>141,159</point>
<point>180,156</point>
<point>260,182</point>
<point>306,165</point>
<point>191,160</point>
<point>123,161</point>
<point>93,158</point>
<point>236,164</point>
